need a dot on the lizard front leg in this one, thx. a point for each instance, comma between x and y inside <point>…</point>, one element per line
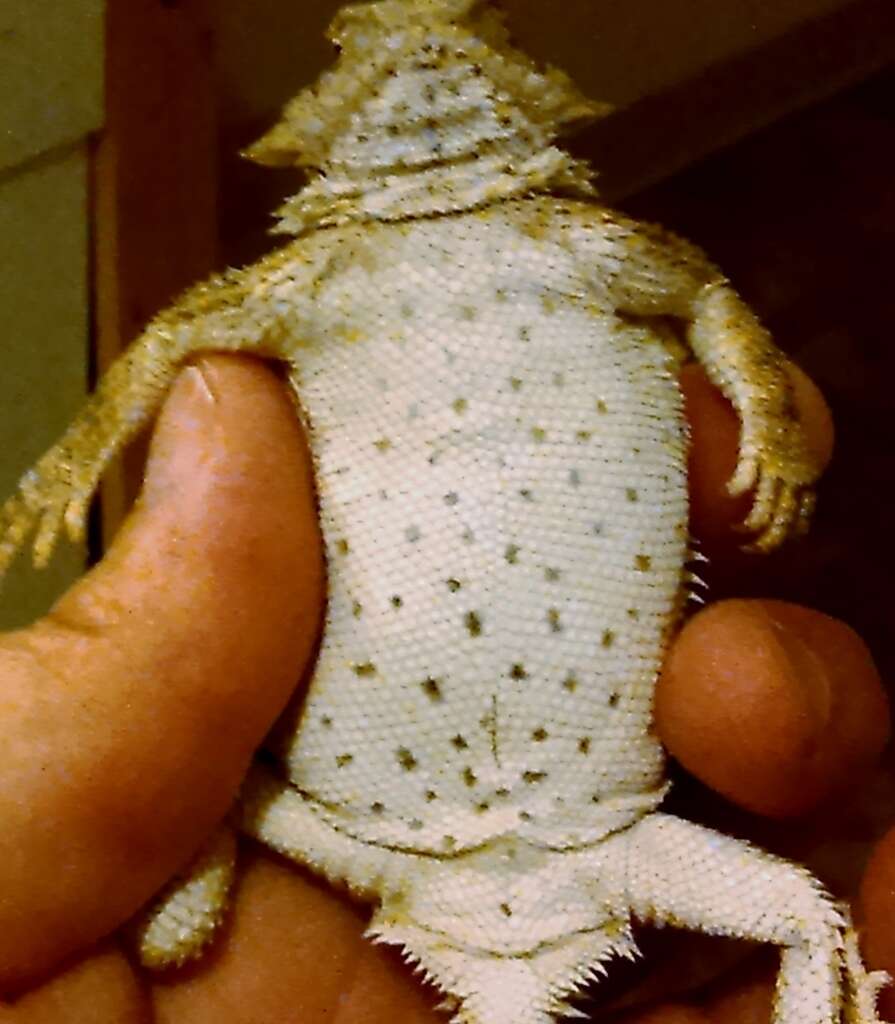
<point>57,490</point>
<point>650,272</point>
<point>741,360</point>
<point>678,873</point>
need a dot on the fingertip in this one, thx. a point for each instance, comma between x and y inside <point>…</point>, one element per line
<point>876,914</point>
<point>772,705</point>
<point>715,516</point>
<point>222,554</point>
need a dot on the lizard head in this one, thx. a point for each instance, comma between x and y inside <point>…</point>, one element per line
<point>427,98</point>
<point>391,14</point>
<point>389,38</point>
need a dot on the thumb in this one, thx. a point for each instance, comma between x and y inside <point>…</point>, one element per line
<point>131,711</point>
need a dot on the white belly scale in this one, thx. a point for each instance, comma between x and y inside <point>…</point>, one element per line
<point>503,501</point>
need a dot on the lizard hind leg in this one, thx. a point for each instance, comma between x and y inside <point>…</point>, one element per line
<point>184,917</point>
<point>681,874</point>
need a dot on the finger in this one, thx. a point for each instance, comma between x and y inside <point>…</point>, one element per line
<point>771,704</point>
<point>715,436</point>
<point>293,950</point>
<point>131,711</point>
<point>101,988</point>
<point>876,917</point>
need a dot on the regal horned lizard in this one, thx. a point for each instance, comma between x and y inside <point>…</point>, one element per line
<point>500,456</point>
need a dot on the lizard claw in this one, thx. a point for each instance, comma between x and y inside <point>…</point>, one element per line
<point>745,475</point>
<point>48,530</point>
<point>46,500</point>
<point>15,525</point>
<point>782,473</point>
<point>763,511</point>
<point>75,518</point>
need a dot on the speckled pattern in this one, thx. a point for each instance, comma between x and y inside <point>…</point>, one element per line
<point>500,458</point>
<point>473,531</point>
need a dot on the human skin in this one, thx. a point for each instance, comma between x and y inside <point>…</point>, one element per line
<point>130,714</point>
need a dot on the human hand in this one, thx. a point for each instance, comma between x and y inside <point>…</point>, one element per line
<point>131,711</point>
<point>134,709</point>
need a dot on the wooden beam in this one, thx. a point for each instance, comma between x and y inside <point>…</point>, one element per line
<point>154,185</point>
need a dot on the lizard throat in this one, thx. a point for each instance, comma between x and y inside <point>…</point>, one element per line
<point>439,188</point>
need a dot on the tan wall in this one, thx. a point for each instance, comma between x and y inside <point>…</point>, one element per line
<point>50,98</point>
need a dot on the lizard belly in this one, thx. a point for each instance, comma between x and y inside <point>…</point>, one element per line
<point>505,534</point>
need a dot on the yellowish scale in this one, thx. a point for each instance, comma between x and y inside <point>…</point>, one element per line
<point>500,457</point>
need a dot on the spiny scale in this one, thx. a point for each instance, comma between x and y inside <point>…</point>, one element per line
<point>500,457</point>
